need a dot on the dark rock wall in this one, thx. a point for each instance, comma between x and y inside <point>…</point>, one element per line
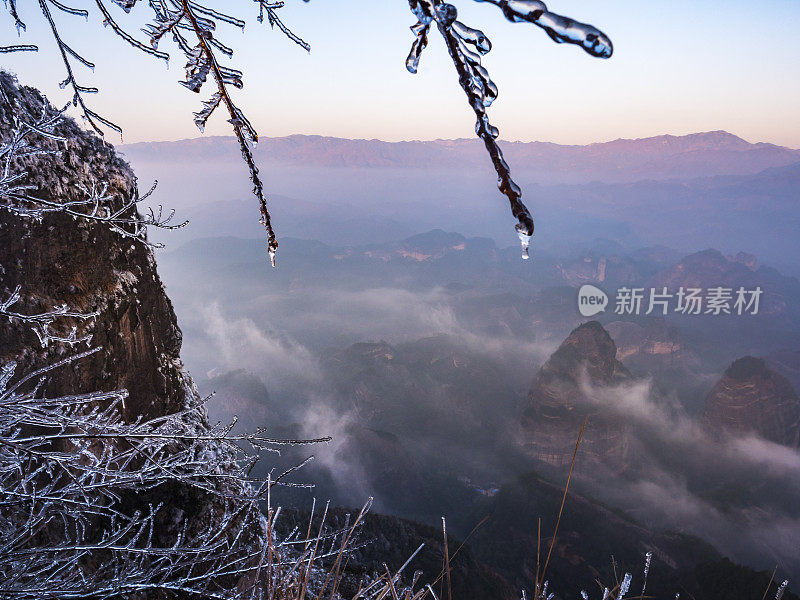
<point>90,268</point>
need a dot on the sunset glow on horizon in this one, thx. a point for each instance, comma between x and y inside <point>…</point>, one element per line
<point>678,68</point>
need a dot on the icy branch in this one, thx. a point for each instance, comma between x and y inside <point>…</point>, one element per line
<point>466,46</point>
<point>17,196</point>
<point>67,463</point>
<point>42,322</point>
<point>180,20</point>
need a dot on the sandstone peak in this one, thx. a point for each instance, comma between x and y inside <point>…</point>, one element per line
<point>752,398</point>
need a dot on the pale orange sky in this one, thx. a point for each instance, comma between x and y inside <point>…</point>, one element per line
<point>679,67</point>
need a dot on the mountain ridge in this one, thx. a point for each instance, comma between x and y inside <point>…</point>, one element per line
<point>623,159</point>
<point>719,135</point>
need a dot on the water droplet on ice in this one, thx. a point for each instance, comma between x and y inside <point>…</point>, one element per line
<point>446,14</point>
<point>525,242</point>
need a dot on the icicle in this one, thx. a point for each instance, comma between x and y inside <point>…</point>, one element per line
<point>625,586</point>
<point>781,589</point>
<point>525,242</point>
<point>421,30</point>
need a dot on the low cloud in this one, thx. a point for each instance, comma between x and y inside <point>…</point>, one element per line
<point>239,343</point>
<point>681,468</point>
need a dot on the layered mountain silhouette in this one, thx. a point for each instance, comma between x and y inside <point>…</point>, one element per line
<point>433,386</point>
<point>660,157</point>
<point>752,398</point>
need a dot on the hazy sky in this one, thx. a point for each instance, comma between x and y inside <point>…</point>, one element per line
<point>678,67</point>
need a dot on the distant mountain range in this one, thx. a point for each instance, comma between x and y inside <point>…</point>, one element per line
<point>498,292</point>
<point>623,160</point>
<point>688,193</point>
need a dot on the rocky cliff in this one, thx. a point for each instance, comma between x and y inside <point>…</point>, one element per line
<point>710,268</point>
<point>60,260</point>
<point>752,398</point>
<point>562,396</point>
<point>92,269</point>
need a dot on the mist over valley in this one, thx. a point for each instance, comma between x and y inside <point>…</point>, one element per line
<point>454,377</point>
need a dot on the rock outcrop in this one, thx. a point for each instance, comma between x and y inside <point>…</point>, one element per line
<point>752,398</point>
<point>710,268</point>
<point>85,265</point>
<point>649,346</point>
<point>562,396</point>
<point>59,260</point>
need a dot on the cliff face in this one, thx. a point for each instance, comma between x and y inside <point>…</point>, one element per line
<point>649,346</point>
<point>60,260</point>
<point>710,268</point>
<point>558,402</point>
<point>91,269</point>
<point>752,398</point>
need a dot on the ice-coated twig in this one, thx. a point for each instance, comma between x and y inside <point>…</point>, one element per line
<point>41,322</point>
<point>18,197</point>
<point>647,560</point>
<point>175,19</point>
<point>202,61</point>
<point>466,46</point>
<point>270,8</point>
<point>781,589</point>
<point>93,119</point>
<point>67,462</point>
<point>625,586</point>
<point>560,29</point>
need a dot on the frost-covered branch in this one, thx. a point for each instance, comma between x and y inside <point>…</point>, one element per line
<point>18,197</point>
<point>466,46</point>
<point>202,61</point>
<point>42,322</point>
<point>93,119</point>
<point>180,20</point>
<point>80,510</point>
